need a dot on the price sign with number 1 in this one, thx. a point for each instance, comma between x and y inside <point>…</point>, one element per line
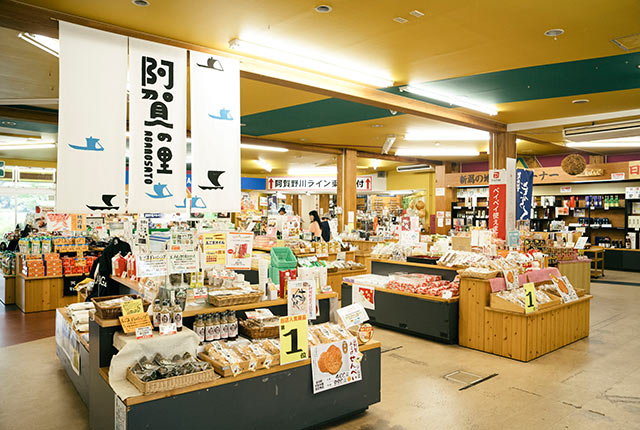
<point>530,303</point>
<point>293,339</point>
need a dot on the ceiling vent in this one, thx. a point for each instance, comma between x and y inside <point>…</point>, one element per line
<point>628,43</point>
<point>602,131</point>
<point>415,168</point>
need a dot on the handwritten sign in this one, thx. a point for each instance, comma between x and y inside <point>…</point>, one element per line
<point>148,265</point>
<point>293,338</point>
<point>131,322</point>
<point>132,307</point>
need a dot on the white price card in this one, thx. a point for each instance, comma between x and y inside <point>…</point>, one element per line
<point>447,294</point>
<point>353,314</point>
<point>166,329</point>
<point>144,332</point>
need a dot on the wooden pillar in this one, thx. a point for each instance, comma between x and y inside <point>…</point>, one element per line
<point>444,195</point>
<point>288,199</point>
<point>502,146</point>
<point>347,176</point>
<point>324,204</point>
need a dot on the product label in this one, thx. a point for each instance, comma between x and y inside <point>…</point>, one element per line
<point>200,333</point>
<point>224,331</point>
<point>216,332</point>
<point>144,332</point>
<point>164,318</point>
<point>209,333</point>
<point>156,320</point>
<point>166,329</point>
<point>177,318</point>
<point>234,330</point>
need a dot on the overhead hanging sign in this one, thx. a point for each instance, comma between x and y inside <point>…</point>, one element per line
<point>215,132</point>
<point>524,190</point>
<point>158,124</point>
<point>314,183</point>
<point>92,119</point>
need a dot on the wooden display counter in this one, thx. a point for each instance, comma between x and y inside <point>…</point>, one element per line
<point>73,352</point>
<point>514,335</point>
<point>8,289</point>
<point>578,272</point>
<point>596,254</point>
<point>430,317</point>
<point>35,294</point>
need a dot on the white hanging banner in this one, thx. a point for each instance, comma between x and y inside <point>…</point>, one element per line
<point>158,124</point>
<point>92,120</point>
<point>215,132</point>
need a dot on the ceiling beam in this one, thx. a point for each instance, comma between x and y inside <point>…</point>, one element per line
<point>29,114</point>
<point>23,17</point>
<point>29,102</point>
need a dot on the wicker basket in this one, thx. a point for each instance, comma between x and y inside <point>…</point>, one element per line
<point>171,383</point>
<point>252,331</point>
<point>113,312</point>
<point>221,301</point>
<point>243,366</point>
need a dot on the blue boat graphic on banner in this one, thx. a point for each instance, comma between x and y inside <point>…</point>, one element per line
<point>93,144</point>
<point>161,191</point>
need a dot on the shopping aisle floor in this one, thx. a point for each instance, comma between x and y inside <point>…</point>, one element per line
<point>593,383</point>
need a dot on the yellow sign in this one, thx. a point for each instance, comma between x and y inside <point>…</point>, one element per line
<point>634,169</point>
<point>132,307</point>
<point>530,303</point>
<point>293,339</point>
<point>214,246</point>
<point>133,321</point>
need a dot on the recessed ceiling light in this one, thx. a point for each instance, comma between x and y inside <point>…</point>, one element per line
<point>400,19</point>
<point>377,125</point>
<point>303,140</point>
<point>638,66</point>
<point>9,123</point>
<point>323,8</point>
<point>416,13</point>
<point>580,101</point>
<point>141,3</point>
<point>554,32</point>
<point>242,124</point>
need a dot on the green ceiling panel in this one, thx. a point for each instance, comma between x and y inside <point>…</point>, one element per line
<point>320,113</point>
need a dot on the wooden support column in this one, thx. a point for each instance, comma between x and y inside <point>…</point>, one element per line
<point>347,175</point>
<point>444,195</point>
<point>324,204</point>
<point>503,146</point>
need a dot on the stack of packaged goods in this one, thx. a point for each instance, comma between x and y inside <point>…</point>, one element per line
<point>53,264</point>
<point>33,266</point>
<point>77,265</point>
<point>70,243</point>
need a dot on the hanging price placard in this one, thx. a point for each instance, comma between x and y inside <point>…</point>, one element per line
<point>293,339</point>
<point>530,303</point>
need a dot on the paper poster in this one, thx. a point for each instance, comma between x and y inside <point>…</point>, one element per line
<point>182,241</point>
<point>408,238</point>
<point>239,248</point>
<point>148,265</point>
<point>301,298</point>
<point>65,222</point>
<point>92,120</point>
<point>158,124</point>
<point>272,226</point>
<point>439,191</point>
<point>364,295</point>
<point>335,364</point>
<point>214,246</point>
<point>513,239</point>
<point>293,338</point>
<point>183,262</point>
<point>352,315</point>
<point>215,131</point>
<point>142,233</point>
<point>634,169</point>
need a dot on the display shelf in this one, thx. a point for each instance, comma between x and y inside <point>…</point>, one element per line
<point>8,289</point>
<point>65,315</point>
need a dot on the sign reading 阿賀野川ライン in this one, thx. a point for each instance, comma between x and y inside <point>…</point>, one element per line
<point>314,183</point>
<point>92,121</point>
<point>158,124</point>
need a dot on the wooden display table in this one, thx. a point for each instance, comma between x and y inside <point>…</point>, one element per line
<point>578,272</point>
<point>8,289</point>
<point>430,317</point>
<point>35,294</point>
<point>596,253</point>
<point>514,335</point>
<point>335,278</point>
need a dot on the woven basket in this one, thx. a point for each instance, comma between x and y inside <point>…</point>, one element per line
<point>168,384</point>
<point>221,301</point>
<point>573,164</point>
<point>113,312</point>
<point>253,331</point>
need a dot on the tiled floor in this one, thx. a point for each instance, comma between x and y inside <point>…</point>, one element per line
<point>591,384</point>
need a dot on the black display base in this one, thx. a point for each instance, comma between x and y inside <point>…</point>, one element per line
<point>433,320</point>
<point>389,267</point>
<point>628,261</point>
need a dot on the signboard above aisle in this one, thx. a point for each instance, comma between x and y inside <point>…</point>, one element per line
<point>314,183</point>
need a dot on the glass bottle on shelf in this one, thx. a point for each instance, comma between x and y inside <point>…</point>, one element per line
<point>198,327</point>
<point>177,316</point>
<point>165,316</point>
<point>156,313</point>
<point>208,328</point>
<point>233,325</point>
<point>216,326</point>
<point>224,328</point>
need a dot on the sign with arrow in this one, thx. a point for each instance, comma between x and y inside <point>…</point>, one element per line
<point>315,183</point>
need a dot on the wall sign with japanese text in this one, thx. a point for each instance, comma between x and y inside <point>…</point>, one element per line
<point>524,190</point>
<point>315,183</point>
<point>157,120</point>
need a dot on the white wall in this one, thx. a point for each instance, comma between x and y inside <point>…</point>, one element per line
<point>307,204</point>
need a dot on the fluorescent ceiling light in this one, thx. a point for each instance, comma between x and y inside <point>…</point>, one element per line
<point>446,134</point>
<point>37,169</point>
<point>27,146</point>
<point>622,142</point>
<point>453,100</point>
<point>264,164</point>
<point>327,170</point>
<point>437,152</point>
<point>47,44</point>
<point>388,143</point>
<point>309,63</point>
<point>263,147</point>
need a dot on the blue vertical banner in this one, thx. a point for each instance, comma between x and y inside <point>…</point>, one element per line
<point>524,192</point>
